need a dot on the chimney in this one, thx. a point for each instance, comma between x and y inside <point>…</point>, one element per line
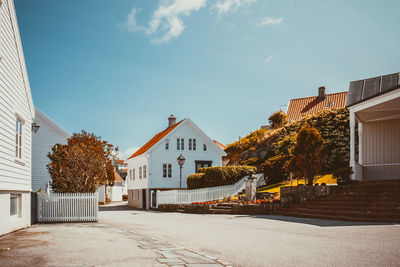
<point>321,93</point>
<point>171,120</point>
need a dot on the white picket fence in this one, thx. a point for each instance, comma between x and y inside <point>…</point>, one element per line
<point>201,194</point>
<point>67,207</point>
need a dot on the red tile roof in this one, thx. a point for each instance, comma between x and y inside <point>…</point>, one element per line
<point>118,178</point>
<point>301,107</point>
<point>121,162</point>
<point>219,144</point>
<point>154,140</point>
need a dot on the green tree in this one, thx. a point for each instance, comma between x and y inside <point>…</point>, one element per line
<point>81,165</point>
<point>277,120</point>
<point>274,170</point>
<point>308,154</point>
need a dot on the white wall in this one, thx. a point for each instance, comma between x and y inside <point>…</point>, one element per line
<point>160,155</point>
<point>48,135</point>
<point>117,192</point>
<point>135,163</point>
<point>10,223</point>
<point>15,100</point>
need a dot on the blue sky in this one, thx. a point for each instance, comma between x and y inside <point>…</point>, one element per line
<point>120,68</point>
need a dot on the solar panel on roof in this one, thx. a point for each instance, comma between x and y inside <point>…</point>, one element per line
<point>389,82</point>
<point>355,92</point>
<point>371,87</point>
<point>365,89</point>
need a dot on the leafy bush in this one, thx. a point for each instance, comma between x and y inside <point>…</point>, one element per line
<point>277,120</point>
<point>275,170</point>
<point>250,162</point>
<point>195,180</point>
<point>233,150</point>
<point>217,176</point>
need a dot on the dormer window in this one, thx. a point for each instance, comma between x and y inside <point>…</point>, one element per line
<point>204,147</point>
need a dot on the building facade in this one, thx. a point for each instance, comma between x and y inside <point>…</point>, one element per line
<point>16,117</point>
<point>155,166</point>
<point>50,133</point>
<point>374,106</point>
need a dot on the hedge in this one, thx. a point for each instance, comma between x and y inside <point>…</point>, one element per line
<point>195,180</point>
<point>218,176</point>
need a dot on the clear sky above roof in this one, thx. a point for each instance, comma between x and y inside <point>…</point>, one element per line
<point>120,68</point>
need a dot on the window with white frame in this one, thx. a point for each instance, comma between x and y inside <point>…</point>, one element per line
<point>133,174</point>
<point>167,170</point>
<point>14,205</point>
<point>18,139</point>
<point>140,172</point>
<point>180,144</point>
<point>167,146</point>
<point>130,174</point>
<point>144,171</point>
<point>192,144</point>
<point>204,147</point>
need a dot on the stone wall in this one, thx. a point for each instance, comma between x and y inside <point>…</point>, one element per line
<point>299,194</point>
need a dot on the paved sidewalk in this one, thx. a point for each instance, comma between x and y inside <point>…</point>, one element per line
<point>93,244</point>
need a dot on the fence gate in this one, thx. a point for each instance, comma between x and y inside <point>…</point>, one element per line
<point>67,207</point>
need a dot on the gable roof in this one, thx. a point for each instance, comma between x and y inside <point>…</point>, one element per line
<point>51,123</point>
<point>300,107</point>
<point>118,178</point>
<point>154,140</point>
<point>220,145</point>
<point>363,90</point>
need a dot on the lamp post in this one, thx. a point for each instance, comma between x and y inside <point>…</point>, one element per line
<point>181,161</point>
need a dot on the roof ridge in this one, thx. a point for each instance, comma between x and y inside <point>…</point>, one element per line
<point>317,96</point>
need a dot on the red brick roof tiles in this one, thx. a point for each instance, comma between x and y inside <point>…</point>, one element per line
<point>301,107</point>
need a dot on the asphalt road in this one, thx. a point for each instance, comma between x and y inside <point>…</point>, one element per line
<point>266,240</point>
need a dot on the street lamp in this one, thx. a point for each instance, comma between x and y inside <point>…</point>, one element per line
<point>181,161</point>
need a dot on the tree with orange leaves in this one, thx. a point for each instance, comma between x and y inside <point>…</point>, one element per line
<point>308,154</point>
<point>81,165</point>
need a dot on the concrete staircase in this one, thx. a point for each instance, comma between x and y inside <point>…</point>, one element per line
<point>222,208</point>
<point>377,201</point>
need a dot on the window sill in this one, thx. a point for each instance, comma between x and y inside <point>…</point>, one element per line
<point>20,162</point>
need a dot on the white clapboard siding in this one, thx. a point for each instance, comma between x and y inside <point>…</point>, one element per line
<point>49,134</point>
<point>67,207</point>
<point>202,194</point>
<point>15,101</point>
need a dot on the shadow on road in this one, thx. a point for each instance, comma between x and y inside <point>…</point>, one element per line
<point>315,222</point>
<point>115,207</point>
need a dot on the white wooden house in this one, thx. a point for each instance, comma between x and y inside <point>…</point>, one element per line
<point>113,193</point>
<point>155,166</point>
<point>50,133</point>
<point>374,106</point>
<point>16,117</point>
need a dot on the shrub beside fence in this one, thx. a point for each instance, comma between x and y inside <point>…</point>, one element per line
<point>67,207</point>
